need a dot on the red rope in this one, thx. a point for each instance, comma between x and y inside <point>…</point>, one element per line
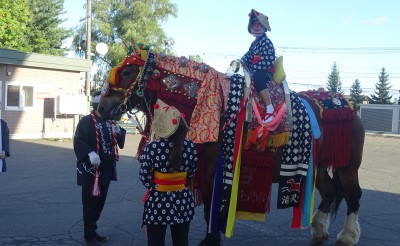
<point>114,135</point>
<point>115,143</point>
<point>96,189</point>
<point>97,133</point>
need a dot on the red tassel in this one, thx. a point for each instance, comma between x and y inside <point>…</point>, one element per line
<point>296,219</point>
<point>96,186</point>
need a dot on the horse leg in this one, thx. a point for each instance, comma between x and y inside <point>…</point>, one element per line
<point>351,188</point>
<point>211,154</point>
<point>321,217</point>
<point>352,193</point>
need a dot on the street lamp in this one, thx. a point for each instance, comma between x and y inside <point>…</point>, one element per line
<point>101,49</point>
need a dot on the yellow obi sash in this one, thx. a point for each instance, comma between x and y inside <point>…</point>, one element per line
<point>170,181</point>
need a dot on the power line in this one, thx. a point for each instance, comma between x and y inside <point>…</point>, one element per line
<point>353,50</point>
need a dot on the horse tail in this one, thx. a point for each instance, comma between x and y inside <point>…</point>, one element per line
<point>338,195</point>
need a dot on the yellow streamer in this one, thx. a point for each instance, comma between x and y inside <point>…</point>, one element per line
<point>235,187</point>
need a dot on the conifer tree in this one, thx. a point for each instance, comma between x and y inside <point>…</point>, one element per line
<point>382,88</point>
<point>355,94</point>
<point>334,83</point>
<point>32,26</point>
<point>45,34</point>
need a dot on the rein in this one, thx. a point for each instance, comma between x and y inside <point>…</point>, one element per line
<point>140,81</point>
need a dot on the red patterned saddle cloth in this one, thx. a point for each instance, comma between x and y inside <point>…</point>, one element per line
<point>192,87</point>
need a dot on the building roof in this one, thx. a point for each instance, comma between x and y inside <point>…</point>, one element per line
<point>18,58</point>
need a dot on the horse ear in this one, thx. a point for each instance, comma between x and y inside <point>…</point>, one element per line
<point>132,41</point>
<point>134,47</point>
<point>126,46</point>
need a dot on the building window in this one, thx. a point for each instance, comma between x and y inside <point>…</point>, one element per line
<point>19,96</point>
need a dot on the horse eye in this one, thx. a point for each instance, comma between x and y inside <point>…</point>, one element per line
<point>125,73</point>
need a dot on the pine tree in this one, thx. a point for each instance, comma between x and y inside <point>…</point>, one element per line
<point>32,26</point>
<point>355,94</point>
<point>382,87</point>
<point>45,34</point>
<point>334,83</point>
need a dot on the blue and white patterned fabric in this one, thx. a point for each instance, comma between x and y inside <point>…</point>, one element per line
<point>171,207</point>
<point>264,48</point>
<point>296,156</point>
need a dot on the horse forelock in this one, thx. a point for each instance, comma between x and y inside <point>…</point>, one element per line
<point>115,77</point>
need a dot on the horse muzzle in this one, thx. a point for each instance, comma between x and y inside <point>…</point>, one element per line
<point>113,113</point>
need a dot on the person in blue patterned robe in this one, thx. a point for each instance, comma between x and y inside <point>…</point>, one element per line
<point>166,165</point>
<point>260,58</point>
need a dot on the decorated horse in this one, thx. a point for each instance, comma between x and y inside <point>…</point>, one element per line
<point>315,140</point>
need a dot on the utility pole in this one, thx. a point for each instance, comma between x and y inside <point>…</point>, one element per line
<point>88,44</point>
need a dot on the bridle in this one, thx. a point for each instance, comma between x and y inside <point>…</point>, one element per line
<point>140,82</point>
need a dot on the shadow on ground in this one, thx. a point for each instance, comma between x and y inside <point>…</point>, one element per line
<point>40,204</point>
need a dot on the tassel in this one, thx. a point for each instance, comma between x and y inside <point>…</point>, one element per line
<point>96,186</point>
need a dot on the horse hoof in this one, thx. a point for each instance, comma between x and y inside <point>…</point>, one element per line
<point>341,243</point>
<point>211,240</point>
<point>318,240</point>
<point>345,242</point>
<point>350,235</point>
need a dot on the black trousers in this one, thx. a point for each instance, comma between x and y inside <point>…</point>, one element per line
<point>92,207</point>
<point>179,233</point>
<point>261,79</point>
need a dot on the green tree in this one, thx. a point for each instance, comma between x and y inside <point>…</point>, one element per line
<point>355,94</point>
<point>32,26</point>
<point>116,21</point>
<point>45,35</point>
<point>196,58</point>
<point>382,87</point>
<point>14,16</point>
<point>334,83</point>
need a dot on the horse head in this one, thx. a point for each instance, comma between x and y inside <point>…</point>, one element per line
<point>118,92</point>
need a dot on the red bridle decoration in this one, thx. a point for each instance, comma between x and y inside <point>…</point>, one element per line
<point>116,153</point>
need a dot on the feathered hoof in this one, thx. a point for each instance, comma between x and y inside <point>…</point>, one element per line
<point>211,240</point>
<point>350,235</point>
<point>346,239</point>
<point>341,243</point>
<point>319,240</point>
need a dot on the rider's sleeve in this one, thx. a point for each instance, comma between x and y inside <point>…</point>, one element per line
<point>268,53</point>
<point>246,58</point>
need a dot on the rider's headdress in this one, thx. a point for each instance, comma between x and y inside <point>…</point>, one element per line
<point>166,119</point>
<point>136,54</point>
<point>255,15</point>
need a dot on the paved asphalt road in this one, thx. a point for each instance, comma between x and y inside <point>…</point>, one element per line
<point>40,201</point>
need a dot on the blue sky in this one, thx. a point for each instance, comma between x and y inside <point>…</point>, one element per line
<point>360,35</point>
